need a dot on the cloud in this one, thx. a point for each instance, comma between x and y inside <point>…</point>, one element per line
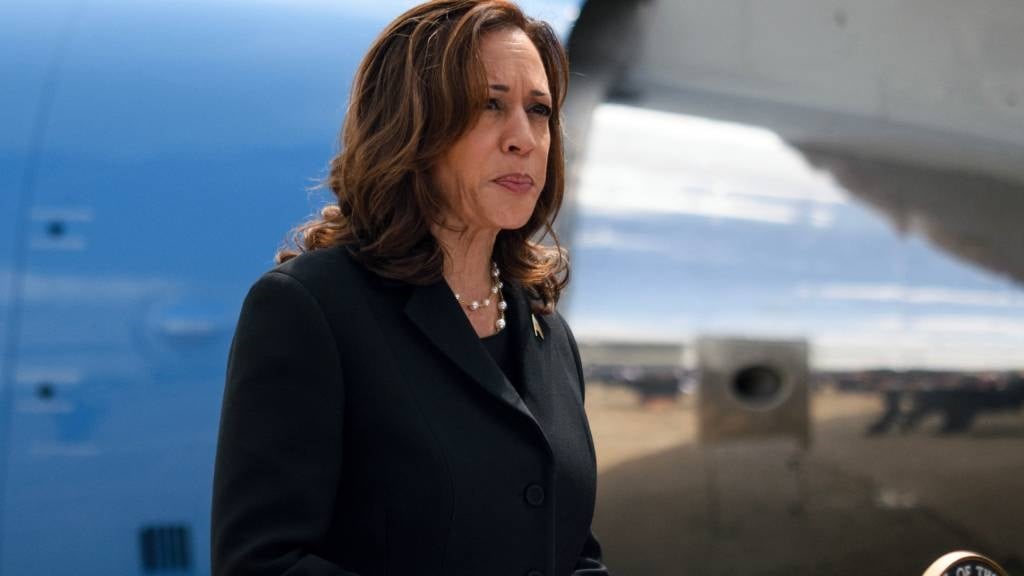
<point>933,341</point>
<point>964,325</point>
<point>610,238</point>
<point>642,161</point>
<point>920,295</point>
<point>607,191</point>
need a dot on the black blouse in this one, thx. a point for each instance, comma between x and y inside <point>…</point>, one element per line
<point>501,347</point>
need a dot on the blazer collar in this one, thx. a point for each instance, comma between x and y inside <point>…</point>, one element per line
<point>433,309</point>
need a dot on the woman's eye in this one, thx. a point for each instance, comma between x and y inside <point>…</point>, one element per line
<point>542,109</point>
<point>493,104</point>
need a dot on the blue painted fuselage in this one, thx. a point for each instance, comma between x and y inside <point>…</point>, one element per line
<point>153,156</point>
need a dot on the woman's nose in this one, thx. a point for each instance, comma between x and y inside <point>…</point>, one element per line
<point>519,137</point>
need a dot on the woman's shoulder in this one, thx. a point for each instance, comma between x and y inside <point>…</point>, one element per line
<point>553,328</point>
<point>560,326</point>
<point>546,322</point>
<point>310,264</point>
<point>330,270</point>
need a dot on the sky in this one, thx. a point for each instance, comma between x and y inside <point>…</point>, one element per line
<point>691,227</point>
<point>559,13</point>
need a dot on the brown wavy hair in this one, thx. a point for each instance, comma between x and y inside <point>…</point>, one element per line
<point>420,87</point>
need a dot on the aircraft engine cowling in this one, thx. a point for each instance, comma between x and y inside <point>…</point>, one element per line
<point>751,389</point>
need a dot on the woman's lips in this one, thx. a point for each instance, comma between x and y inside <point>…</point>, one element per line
<point>515,182</point>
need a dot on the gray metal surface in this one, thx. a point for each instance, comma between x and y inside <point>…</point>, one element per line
<point>917,106</point>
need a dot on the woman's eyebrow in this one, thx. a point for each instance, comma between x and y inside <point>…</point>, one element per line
<point>504,88</point>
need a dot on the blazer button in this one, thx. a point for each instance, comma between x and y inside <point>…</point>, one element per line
<point>534,497</point>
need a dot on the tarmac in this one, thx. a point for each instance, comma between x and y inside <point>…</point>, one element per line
<point>851,504</point>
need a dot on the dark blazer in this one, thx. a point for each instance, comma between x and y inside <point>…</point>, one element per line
<point>365,430</point>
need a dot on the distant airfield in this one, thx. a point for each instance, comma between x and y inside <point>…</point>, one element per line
<point>857,499</point>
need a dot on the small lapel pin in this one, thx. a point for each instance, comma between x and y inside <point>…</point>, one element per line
<point>536,327</point>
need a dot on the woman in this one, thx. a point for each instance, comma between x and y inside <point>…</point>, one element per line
<point>401,396</point>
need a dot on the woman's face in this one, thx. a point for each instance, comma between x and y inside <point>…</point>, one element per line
<point>493,174</point>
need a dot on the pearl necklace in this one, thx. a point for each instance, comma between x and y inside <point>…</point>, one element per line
<point>496,286</point>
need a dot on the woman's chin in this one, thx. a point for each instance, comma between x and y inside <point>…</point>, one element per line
<point>515,223</point>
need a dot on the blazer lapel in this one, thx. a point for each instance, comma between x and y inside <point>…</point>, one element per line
<point>433,309</point>
<point>530,331</point>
